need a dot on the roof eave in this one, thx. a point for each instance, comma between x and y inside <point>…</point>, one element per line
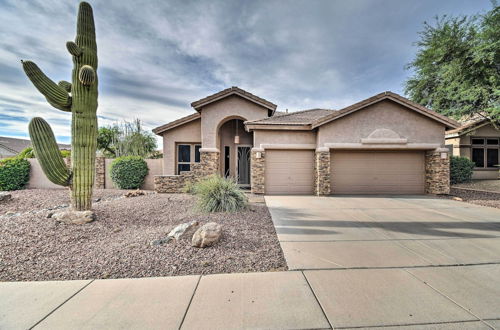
<point>176,123</point>
<point>274,127</point>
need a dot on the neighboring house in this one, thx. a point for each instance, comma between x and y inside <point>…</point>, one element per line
<point>479,141</point>
<point>11,146</point>
<point>383,145</point>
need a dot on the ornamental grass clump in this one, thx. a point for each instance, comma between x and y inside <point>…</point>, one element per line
<point>218,194</point>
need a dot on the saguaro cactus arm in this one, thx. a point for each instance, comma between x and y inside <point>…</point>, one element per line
<point>57,96</point>
<point>47,152</point>
<point>66,85</point>
<point>73,49</point>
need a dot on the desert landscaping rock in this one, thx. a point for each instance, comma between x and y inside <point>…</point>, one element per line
<point>5,196</point>
<point>161,241</point>
<point>74,217</point>
<point>207,235</point>
<point>117,244</point>
<point>181,229</point>
<point>134,193</point>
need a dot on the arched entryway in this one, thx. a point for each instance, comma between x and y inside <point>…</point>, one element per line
<point>235,145</point>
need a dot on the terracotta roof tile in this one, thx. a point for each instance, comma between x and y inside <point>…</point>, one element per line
<point>304,117</point>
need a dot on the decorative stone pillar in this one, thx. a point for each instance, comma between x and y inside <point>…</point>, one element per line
<point>209,163</point>
<point>100,173</point>
<point>257,171</point>
<point>322,172</point>
<point>437,172</point>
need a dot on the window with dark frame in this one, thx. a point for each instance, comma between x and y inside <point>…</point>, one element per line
<point>485,152</point>
<point>187,155</point>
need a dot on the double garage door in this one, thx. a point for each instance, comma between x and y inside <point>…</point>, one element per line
<point>352,172</point>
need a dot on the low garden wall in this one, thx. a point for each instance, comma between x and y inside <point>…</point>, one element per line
<point>38,180</point>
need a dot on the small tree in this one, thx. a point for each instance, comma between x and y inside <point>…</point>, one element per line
<point>126,139</point>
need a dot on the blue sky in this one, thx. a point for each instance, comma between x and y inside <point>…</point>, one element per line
<point>156,57</point>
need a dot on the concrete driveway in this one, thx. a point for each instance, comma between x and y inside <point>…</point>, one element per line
<point>395,261</point>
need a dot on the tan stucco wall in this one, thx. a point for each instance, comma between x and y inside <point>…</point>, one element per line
<point>227,133</point>
<point>38,179</point>
<point>263,137</point>
<point>215,114</point>
<point>188,133</point>
<point>386,114</point>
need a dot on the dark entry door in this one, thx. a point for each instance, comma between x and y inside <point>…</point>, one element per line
<point>244,165</point>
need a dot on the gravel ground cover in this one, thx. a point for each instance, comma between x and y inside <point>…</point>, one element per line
<point>484,198</point>
<point>117,244</point>
<point>490,185</point>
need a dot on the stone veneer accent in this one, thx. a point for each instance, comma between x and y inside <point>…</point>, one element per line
<point>100,173</point>
<point>257,172</point>
<point>322,173</point>
<point>437,173</point>
<point>208,165</point>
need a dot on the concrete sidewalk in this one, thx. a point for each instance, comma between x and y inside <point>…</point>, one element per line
<point>412,298</point>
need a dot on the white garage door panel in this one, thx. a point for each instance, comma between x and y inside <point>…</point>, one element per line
<point>289,171</point>
<point>378,172</point>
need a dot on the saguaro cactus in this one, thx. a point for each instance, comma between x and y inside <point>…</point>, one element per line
<point>79,98</point>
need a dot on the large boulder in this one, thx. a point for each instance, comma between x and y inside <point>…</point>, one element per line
<point>74,217</point>
<point>4,196</point>
<point>207,235</point>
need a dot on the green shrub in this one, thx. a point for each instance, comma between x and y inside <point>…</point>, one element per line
<point>66,153</point>
<point>30,153</point>
<point>217,194</point>
<point>14,173</point>
<point>27,153</point>
<point>129,172</point>
<point>460,169</point>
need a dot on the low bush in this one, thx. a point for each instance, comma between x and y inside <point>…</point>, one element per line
<point>217,194</point>
<point>30,153</point>
<point>14,173</point>
<point>460,169</point>
<point>129,172</point>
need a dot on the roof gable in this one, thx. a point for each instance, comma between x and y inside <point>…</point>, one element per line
<point>468,127</point>
<point>198,105</point>
<point>386,96</point>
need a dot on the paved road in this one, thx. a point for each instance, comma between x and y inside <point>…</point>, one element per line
<point>386,261</point>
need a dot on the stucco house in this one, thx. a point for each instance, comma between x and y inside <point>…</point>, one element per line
<point>10,147</point>
<point>479,141</point>
<point>385,144</point>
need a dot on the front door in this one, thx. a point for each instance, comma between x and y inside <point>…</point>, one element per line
<point>243,162</point>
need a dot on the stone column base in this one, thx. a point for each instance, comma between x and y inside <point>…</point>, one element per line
<point>208,165</point>
<point>322,173</point>
<point>437,172</point>
<point>100,173</point>
<point>257,171</point>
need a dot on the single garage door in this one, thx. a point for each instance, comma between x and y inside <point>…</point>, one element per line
<point>289,172</point>
<point>377,172</point>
